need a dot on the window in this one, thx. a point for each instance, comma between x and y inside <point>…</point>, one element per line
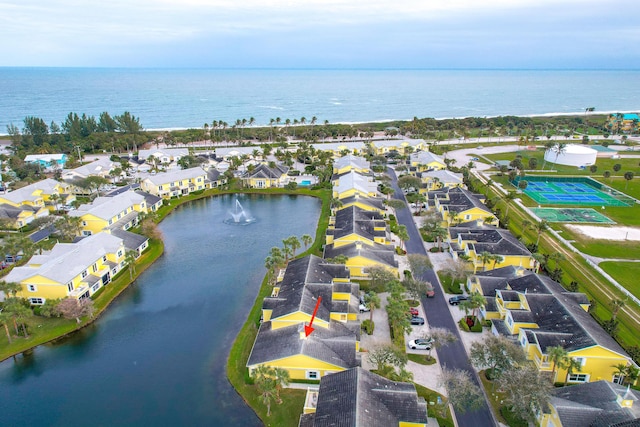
<point>86,233</point>
<point>581,360</point>
<point>509,321</point>
<point>467,217</point>
<point>618,379</point>
<point>160,187</point>
<point>104,258</point>
<point>313,375</point>
<point>84,223</point>
<point>32,288</point>
<point>578,378</point>
<point>523,341</point>
<point>119,254</point>
<point>94,267</point>
<point>95,287</point>
<point>36,301</point>
<point>70,286</point>
<point>84,274</point>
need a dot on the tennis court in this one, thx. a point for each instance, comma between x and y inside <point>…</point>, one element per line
<point>586,215</point>
<point>572,191</point>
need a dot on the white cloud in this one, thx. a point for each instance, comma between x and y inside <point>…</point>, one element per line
<point>69,29</point>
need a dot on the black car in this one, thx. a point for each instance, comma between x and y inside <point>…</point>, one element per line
<point>417,320</point>
<point>457,299</point>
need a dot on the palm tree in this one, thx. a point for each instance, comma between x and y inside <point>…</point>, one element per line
<point>572,365</point>
<point>621,370</point>
<point>561,148</point>
<point>511,195</point>
<point>306,240</point>
<point>294,244</point>
<point>628,176</point>
<point>10,288</point>
<point>282,379</point>
<point>548,146</point>
<point>485,257</point>
<point>474,302</point>
<point>403,235</point>
<point>540,227</point>
<point>4,320</point>
<point>130,257</point>
<point>558,356</point>
<point>497,259</point>
<point>616,305</point>
<point>372,301</point>
<point>263,377</point>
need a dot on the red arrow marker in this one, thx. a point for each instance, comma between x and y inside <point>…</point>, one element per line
<point>309,329</point>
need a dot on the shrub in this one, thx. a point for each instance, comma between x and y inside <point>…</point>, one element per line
<point>368,326</point>
<point>434,249</point>
<point>407,274</point>
<point>463,325</point>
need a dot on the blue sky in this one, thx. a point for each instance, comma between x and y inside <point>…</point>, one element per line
<point>322,33</point>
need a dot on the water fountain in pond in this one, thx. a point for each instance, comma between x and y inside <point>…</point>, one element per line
<point>239,216</point>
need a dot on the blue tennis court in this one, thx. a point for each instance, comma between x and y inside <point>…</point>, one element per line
<point>573,191</point>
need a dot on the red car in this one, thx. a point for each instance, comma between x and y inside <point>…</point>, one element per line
<point>413,311</point>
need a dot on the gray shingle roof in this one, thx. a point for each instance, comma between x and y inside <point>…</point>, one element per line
<point>458,199</point>
<point>489,238</point>
<point>351,160</point>
<point>356,220</point>
<point>384,254</point>
<point>335,345</point>
<point>374,202</point>
<point>594,405</point>
<point>264,171</point>
<point>357,397</point>
<point>132,241</point>
<point>306,279</point>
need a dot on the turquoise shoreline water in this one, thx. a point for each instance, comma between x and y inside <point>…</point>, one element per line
<point>182,98</point>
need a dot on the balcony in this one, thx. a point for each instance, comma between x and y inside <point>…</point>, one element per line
<point>541,364</point>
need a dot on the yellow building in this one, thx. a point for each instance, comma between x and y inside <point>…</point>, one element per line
<point>176,183</point>
<point>293,299</point>
<point>350,163</point>
<point>39,195</point>
<point>623,123</point>
<point>402,146</point>
<point>339,149</point>
<point>458,205</point>
<point>422,161</point>
<point>438,179</point>
<point>120,211</point>
<point>76,270</point>
<point>18,216</point>
<point>323,352</point>
<point>353,183</point>
<point>600,403</point>
<point>474,238</point>
<point>370,204</point>
<point>361,256</point>
<point>357,397</point>
<point>539,313</point>
<point>353,224</point>
<point>265,176</point>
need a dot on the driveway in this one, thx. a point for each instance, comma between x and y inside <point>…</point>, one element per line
<point>454,355</point>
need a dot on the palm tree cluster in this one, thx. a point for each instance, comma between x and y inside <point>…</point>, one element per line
<point>269,381</point>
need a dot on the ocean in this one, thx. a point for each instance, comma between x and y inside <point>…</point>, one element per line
<point>183,98</point>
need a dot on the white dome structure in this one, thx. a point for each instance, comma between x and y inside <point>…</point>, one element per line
<point>572,155</point>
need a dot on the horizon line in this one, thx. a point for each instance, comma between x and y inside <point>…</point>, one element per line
<point>119,67</point>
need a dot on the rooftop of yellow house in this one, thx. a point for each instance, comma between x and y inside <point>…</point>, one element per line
<point>175,176</point>
<point>356,162</point>
<point>357,397</point>
<point>379,253</point>
<point>46,186</point>
<point>66,260</point>
<point>13,212</point>
<point>306,279</point>
<point>558,314</point>
<point>265,171</point>
<point>457,199</point>
<point>488,238</point>
<point>373,202</point>
<point>355,181</point>
<point>425,157</point>
<point>108,207</point>
<point>356,220</point>
<point>442,175</point>
<point>596,404</point>
<point>335,345</point>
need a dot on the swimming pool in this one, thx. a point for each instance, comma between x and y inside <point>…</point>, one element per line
<point>305,182</point>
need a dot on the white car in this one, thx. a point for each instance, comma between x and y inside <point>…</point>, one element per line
<point>420,344</point>
<point>363,308</point>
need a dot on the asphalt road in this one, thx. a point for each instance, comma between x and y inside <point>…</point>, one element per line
<point>451,356</point>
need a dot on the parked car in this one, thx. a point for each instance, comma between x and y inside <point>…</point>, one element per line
<point>414,311</point>
<point>420,344</point>
<point>457,299</point>
<point>417,320</point>
<point>431,293</point>
<point>363,308</point>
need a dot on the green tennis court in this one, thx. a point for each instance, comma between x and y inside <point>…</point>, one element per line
<point>571,215</point>
<point>554,190</point>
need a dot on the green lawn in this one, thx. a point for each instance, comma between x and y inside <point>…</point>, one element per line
<point>625,273</point>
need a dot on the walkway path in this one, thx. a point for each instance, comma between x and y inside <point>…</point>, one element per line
<point>452,356</point>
